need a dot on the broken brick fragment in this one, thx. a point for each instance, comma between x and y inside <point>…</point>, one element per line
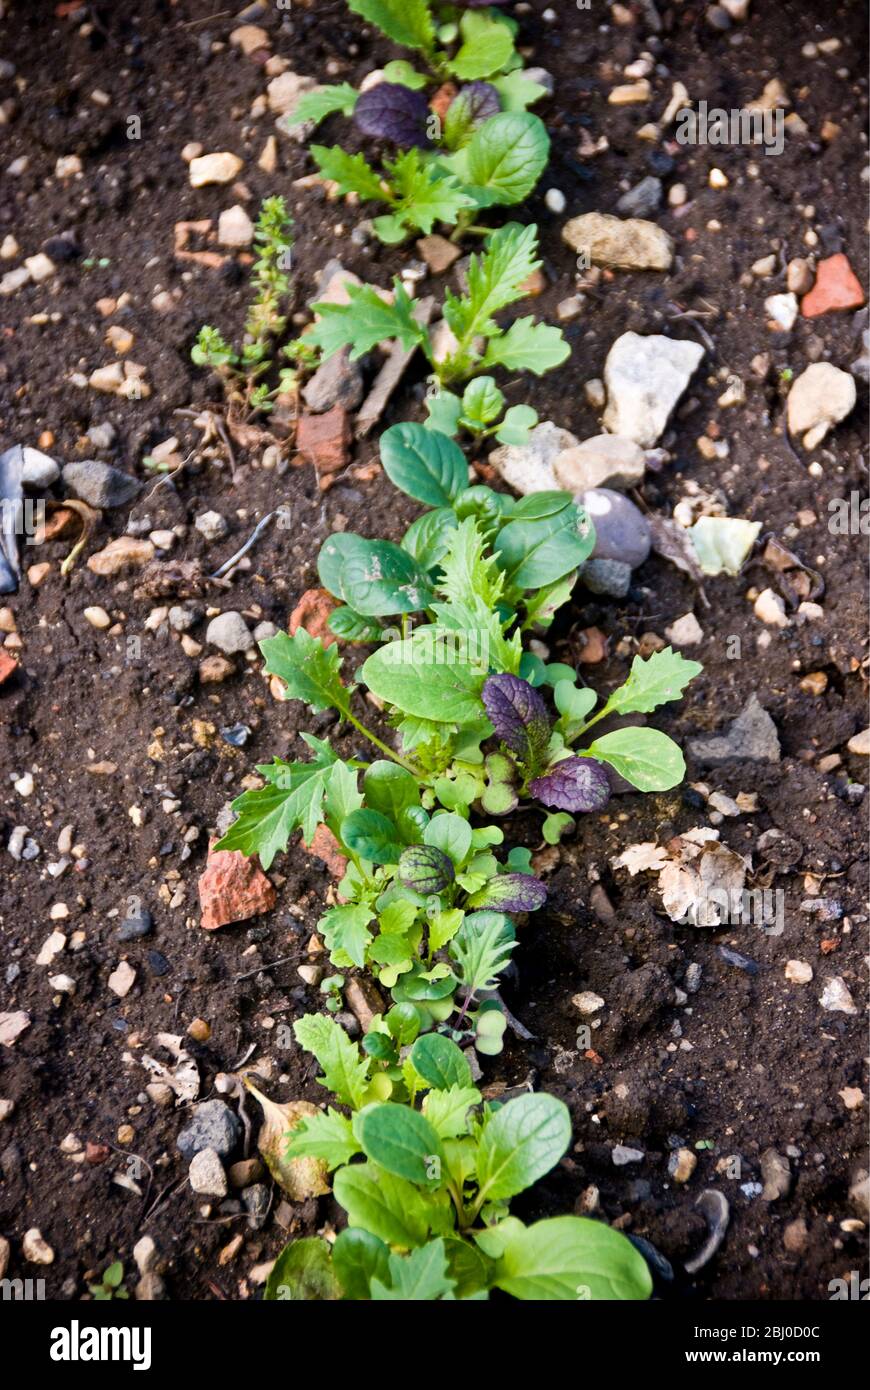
<point>8,666</point>
<point>324,847</point>
<point>233,888</point>
<point>836,287</point>
<point>324,440</point>
<point>312,612</point>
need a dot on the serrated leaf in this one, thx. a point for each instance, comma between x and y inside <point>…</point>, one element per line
<point>267,816</point>
<point>345,931</point>
<point>482,948</point>
<point>447,1109</point>
<point>443,927</point>
<point>647,758</point>
<point>351,172</point>
<point>469,574</point>
<point>494,279</point>
<point>309,670</point>
<point>527,346</point>
<point>421,1276</point>
<point>328,1135</point>
<point>520,1143</point>
<point>423,464</point>
<point>316,106</point>
<point>365,321</point>
<point>518,91</point>
<point>424,193</point>
<point>408,22</point>
<point>662,677</point>
<point>345,1072</point>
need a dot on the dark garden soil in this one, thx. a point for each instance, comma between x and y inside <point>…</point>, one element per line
<point>748,1062</point>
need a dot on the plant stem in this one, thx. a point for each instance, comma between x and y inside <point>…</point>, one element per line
<point>373,738</point>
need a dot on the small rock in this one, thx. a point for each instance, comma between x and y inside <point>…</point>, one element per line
<point>528,467</point>
<point>97,617</point>
<point>12,1025</point>
<point>122,979</point>
<point>438,253</point>
<point>610,578</point>
<point>819,398</point>
<point>852,1097</point>
<point>606,461</point>
<point>836,287</point>
<point>38,470</point>
<point>617,244</point>
<point>214,1126</point>
<point>770,609</point>
<point>799,276</point>
<point>51,947</point>
<point>134,928</point>
<point>230,633</point>
<point>206,1174</point>
<point>621,1155</point>
<point>836,997</point>
<point>594,648</point>
<point>798,972</point>
<point>682,1164</point>
<point>324,440</point>
<point>363,1000</point>
<point>337,381</point>
<point>99,484</point>
<point>284,92</point>
<point>221,167</point>
<point>41,267</point>
<point>621,529</point>
<point>642,200</point>
<point>796,1236</point>
<point>211,526</point>
<point>777,1176</point>
<point>751,737</point>
<point>645,376</point>
<point>235,228</point>
<point>233,888</point>
<point>123,553</point>
<point>35,1249</point>
<point>213,670</point>
<point>587,1002</point>
<point>685,632</point>
<point>860,744</point>
<point>630,93</point>
<point>313,612</point>
<point>782,309</point>
<point>246,1172</point>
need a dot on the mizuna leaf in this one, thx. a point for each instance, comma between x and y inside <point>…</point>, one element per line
<point>494,279</point>
<point>365,321</point>
<point>482,948</point>
<point>447,1110</point>
<point>647,758</point>
<point>408,22</point>
<point>662,677</point>
<point>420,1277</point>
<point>350,172</point>
<point>316,106</point>
<point>520,1143</point>
<point>527,346</point>
<point>345,931</point>
<point>345,1072</point>
<point>309,670</point>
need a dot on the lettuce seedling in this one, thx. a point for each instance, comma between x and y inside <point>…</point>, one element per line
<point>495,280</point>
<point>426,1178</point>
<point>242,370</point>
<point>488,150</point>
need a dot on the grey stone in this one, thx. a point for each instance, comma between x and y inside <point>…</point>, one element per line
<point>621,530</point>
<point>337,381</point>
<point>213,1125</point>
<point>211,526</point>
<point>132,928</point>
<point>752,737</point>
<point>229,633</point>
<point>256,1200</point>
<point>645,376</point>
<point>777,1175</point>
<point>621,1155</point>
<point>642,200</point>
<point>206,1174</point>
<point>38,470</point>
<point>99,484</point>
<point>182,619</point>
<point>102,436</point>
<point>609,577</point>
<point>529,467</point>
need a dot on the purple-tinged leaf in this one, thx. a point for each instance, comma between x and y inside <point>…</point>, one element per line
<point>425,869</point>
<point>575,784</point>
<point>393,112</point>
<point>512,893</point>
<point>518,715</point>
<point>480,100</point>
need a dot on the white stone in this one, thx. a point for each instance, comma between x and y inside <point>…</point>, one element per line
<point>630,243</point>
<point>645,376</point>
<point>798,972</point>
<point>606,460</point>
<point>529,467</point>
<point>770,608</point>
<point>235,227</point>
<point>35,1248</point>
<point>229,633</point>
<point>122,979</point>
<point>587,1002</point>
<point>685,632</point>
<point>41,267</point>
<point>836,997</point>
<point>819,398</point>
<point>206,1174</point>
<point>782,309</point>
<point>221,167</point>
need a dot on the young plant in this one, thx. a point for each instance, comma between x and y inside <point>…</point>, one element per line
<point>495,280</point>
<point>243,370</point>
<point>426,1178</point>
<point>488,150</point>
<point>111,1284</point>
<point>480,412</point>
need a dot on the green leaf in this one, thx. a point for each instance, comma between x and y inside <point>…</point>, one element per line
<point>309,670</point>
<point>425,194</point>
<point>415,675</point>
<point>424,464</point>
<point>383,579</point>
<point>506,157</point>
<point>328,1135</point>
<point>534,553</point>
<point>421,1276</point>
<point>114,1274</point>
<point>358,1257</point>
<point>447,1110</point>
<point>335,550</point>
<point>345,1072</point>
<point>401,1141</point>
<point>345,930</point>
<point>316,106</point>
<point>267,816</point>
<point>556,824</point>
<point>443,927</point>
<point>568,1258</point>
<point>517,422</point>
<point>440,1062</point>
<point>573,701</point>
<point>393,791</point>
<point>366,321</point>
<point>468,1266</point>
<point>647,758</point>
<point>303,1273</point>
<point>494,279</point>
<point>527,346</point>
<point>401,71</point>
<point>482,402</point>
<point>350,172</point>
<point>372,836</point>
<point>428,538</point>
<point>482,948</point>
<point>470,575</point>
<point>443,410</point>
<point>353,627</point>
<point>450,833</point>
<point>387,1206</point>
<point>653,682</point>
<point>487,45</point>
<point>517,91</point>
<point>520,1143</point>
<point>408,22</point>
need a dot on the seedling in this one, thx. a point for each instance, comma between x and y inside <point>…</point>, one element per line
<point>243,370</point>
<point>496,279</point>
<point>426,1178</point>
<point>111,1285</point>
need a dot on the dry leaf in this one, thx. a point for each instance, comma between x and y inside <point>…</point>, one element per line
<point>300,1178</point>
<point>183,1078</point>
<point>638,858</point>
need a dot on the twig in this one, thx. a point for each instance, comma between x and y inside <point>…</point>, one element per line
<point>284,960</point>
<point>252,539</point>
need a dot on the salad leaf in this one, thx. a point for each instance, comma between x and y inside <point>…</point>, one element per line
<point>392,111</point>
<point>424,464</point>
<point>520,1143</point>
<point>506,156</point>
<point>574,784</point>
<point>317,105</point>
<point>345,1072</point>
<point>647,758</point>
<point>662,677</point>
<point>408,22</point>
<point>487,45</point>
<point>567,1258</point>
<point>309,670</point>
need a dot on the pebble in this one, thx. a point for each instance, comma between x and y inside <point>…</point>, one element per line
<point>213,1125</point>
<point>645,376</point>
<point>12,1025</point>
<point>38,470</point>
<point>51,947</point>
<point>836,996</point>
<point>606,461</point>
<point>860,744</point>
<point>235,228</point>
<point>770,608</point>
<point>122,979</point>
<point>630,93</point>
<point>211,526</point>
<point>213,670</point>
<point>826,909</point>
<point>611,578</point>
<point>35,1249</point>
<point>620,244</point>
<point>97,617</point>
<point>134,928</point>
<point>836,287</point>
<point>438,253</point>
<point>587,1002</point>
<point>642,200</point>
<point>685,632</point>
<point>777,1175</point>
<point>752,737</point>
<point>221,167</point>
<point>738,959</point>
<point>555,200</point>
<point>337,381</point>
<point>795,1237</point>
<point>229,633</point>
<point>798,972</point>
<point>819,398</point>
<point>99,484</point>
<point>621,1155</point>
<point>682,1164</point>
<point>799,276</point>
<point>123,553</point>
<point>621,529</point>
<point>206,1174</point>
<point>528,467</point>
<point>852,1097</point>
<point>782,309</point>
